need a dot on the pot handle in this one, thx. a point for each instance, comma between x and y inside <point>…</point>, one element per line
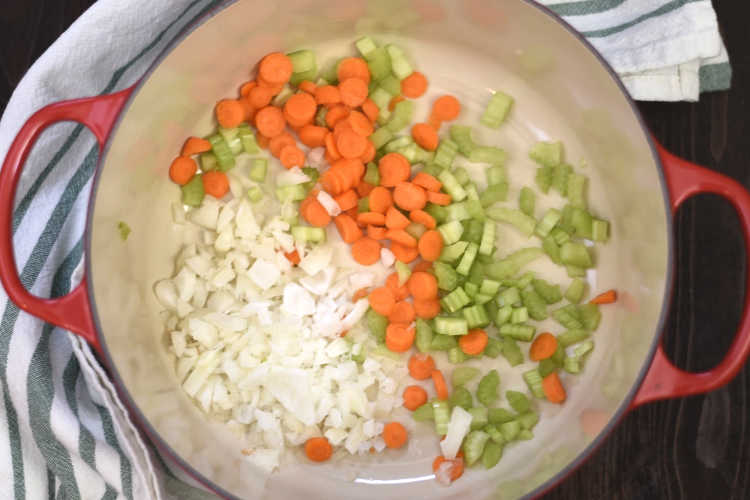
<point>72,311</point>
<point>664,380</point>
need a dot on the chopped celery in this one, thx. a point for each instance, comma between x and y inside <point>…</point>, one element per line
<point>302,60</point>
<point>518,401</point>
<point>516,218</point>
<point>458,211</point>
<point>451,326</point>
<point>442,342</point>
<point>403,272</point>
<point>391,84</point>
<point>399,65</point>
<point>229,133</point>
<point>547,366</point>
<point>473,205</point>
<point>432,169</point>
<point>487,389</point>
<point>483,299</point>
<point>472,231</point>
<point>461,397</point>
<point>381,97</point>
<point>543,178</point>
<point>295,192</point>
<point>496,437</point>
<point>447,277</point>
<point>503,315</point>
<point>473,446</point>
<point>380,137</point>
<point>572,364</point>
<point>550,293</point>
<point>496,175</point>
<point>442,415</point>
<point>476,316</point>
<point>478,417</point>
<point>528,419</point>
<point>571,337</point>
<point>124,230</point>
<point>492,454</point>
<point>498,416</point>
<point>224,155</point>
<point>471,289</point>
<point>509,297</point>
<point>525,280</point>
<point>519,315</point>
<point>424,335</point>
<point>255,194</point>
<point>456,355</point>
<point>560,235</point>
<point>463,374</point>
<point>363,205</point>
<point>551,249</point>
<point>451,232</point>
<point>575,271</point>
<point>575,290</point>
<point>582,222</point>
<point>513,263</point>
<point>547,223</point>
<point>583,349</point>
<point>309,234</point>
<point>526,201</point>
<point>524,333</point>
<point>476,274</point>
<point>487,154</point>
<point>560,178</point>
<point>451,253</point>
<point>510,430</point>
<point>468,259</point>
<point>258,169</point>
<point>423,413</point>
<point>461,135</point>
<point>398,143</point>
<point>208,161</point>
<point>377,324</point>
<point>452,186</point>
<point>445,153</point>
<point>576,193</point>
<point>525,435</point>
<point>192,192</point>
<point>548,154</point>
<point>320,117</point>
<point>365,45</point>
<point>461,175</point>
<point>402,116</point>
<point>489,287</point>
<point>575,254</point>
<point>379,64</point>
<point>416,230</point>
<point>438,212</point>
<point>249,145</point>
<point>372,174</point>
<point>454,301</point>
<point>599,230</point>
<point>493,194</point>
<point>512,352</point>
<point>590,316</point>
<point>497,110</point>
<point>534,381</point>
<point>569,317</point>
<point>494,348</point>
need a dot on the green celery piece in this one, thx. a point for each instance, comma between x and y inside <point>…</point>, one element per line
<point>377,324</point>
<point>424,336</point>
<point>497,110</point>
<point>526,201</point>
<point>192,192</point>
<point>512,264</point>
<point>524,223</point>
<point>463,374</point>
<point>487,391</point>
<point>461,397</point>
<point>548,154</point>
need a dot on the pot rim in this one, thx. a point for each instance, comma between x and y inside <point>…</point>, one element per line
<point>143,423</point>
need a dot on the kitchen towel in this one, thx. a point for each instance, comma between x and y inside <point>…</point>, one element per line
<point>63,431</point>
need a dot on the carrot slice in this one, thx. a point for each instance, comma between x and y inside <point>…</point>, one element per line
<point>366,251</point>
<point>380,199</point>
<point>275,68</point>
<point>426,309</point>
<point>346,200</point>
<point>370,109</point>
<point>403,312</point>
<point>455,469</point>
<point>399,338</point>
<point>395,435</point>
<point>269,121</point>
<point>394,219</point>
<point>422,265</point>
<point>414,397</point>
<point>215,183</point>
<point>425,136</point>
<point>292,156</point>
<point>332,182</point>
<point>369,153</point>
<point>422,217</point>
<point>229,113</point>
<point>364,189</point>
<point>401,237</point>
<point>312,136</point>
<point>327,95</point>
<point>446,108</point>
<point>313,212</point>
<point>353,67</point>
<point>331,149</point>
<point>408,196</point>
<point>543,347</point>
<point>350,144</point>
<point>276,144</point>
<point>553,388</point>
<point>247,87</point>
<point>414,85</point>
<point>438,198</point>
<point>427,181</point>
<point>395,100</point>
<point>308,86</point>
<point>293,257</point>
<point>400,292</point>
<point>608,297</point>
<point>194,146</point>
<point>376,232</point>
<point>371,218</point>
<point>300,109</point>
<point>393,168</point>
<point>337,113</point>
<point>421,366</point>
<point>440,386</point>
<point>403,253</point>
<point>422,285</point>
<point>474,342</point>
<point>382,300</point>
<point>353,91</point>
<point>182,170</point>
<point>318,449</point>
<point>360,294</point>
<point>430,245</point>
<point>360,123</point>
<point>348,229</point>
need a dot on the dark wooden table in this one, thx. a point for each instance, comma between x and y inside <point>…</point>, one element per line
<point>697,447</point>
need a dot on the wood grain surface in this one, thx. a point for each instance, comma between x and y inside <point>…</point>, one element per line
<point>691,448</point>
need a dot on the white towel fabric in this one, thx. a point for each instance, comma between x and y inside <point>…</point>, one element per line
<point>63,431</point>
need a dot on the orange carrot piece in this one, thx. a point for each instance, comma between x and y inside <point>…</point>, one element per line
<point>474,342</point>
<point>292,156</point>
<point>353,91</point>
<point>348,228</point>
<point>308,86</point>
<point>318,449</point>
<point>446,108</point>
<point>422,285</point>
<point>360,123</point>
<point>422,266</point>
<point>229,113</point>
<point>194,146</point>
<point>369,153</point>
<point>434,122</point>
<point>399,337</point>
<point>312,136</point>
<point>400,292</point>
<point>366,251</point>
<point>403,253</point>
<point>263,141</point>
<point>430,245</point>
<point>360,294</point>
<point>216,183</point>
<point>350,144</point>
<point>275,68</point>
<point>455,469</point>
<point>182,170</point>
<point>543,347</point>
<point>553,388</point>
<point>380,199</point>
<point>337,113</point>
<point>426,309</point>
<point>608,297</point>
<point>438,198</point>
<point>414,397</point>
<point>422,217</point>
<point>401,237</point>
<point>440,386</point>
<point>425,136</point>
<point>247,87</point>
<point>394,219</point>
<point>370,109</point>
<point>332,182</point>
<point>248,109</point>
<point>300,109</point>
<point>414,85</point>
<point>403,312</point>
<point>376,232</point>
<point>353,67</point>
<point>330,144</point>
<point>408,196</point>
<point>371,218</point>
<point>276,144</point>
<point>382,300</point>
<point>393,168</point>
<point>313,212</point>
<point>395,100</point>
<point>427,181</point>
<point>327,95</point>
<point>293,257</point>
<point>259,96</point>
<point>421,366</point>
<point>270,121</point>
<point>395,435</point>
<point>364,189</point>
<point>346,200</point>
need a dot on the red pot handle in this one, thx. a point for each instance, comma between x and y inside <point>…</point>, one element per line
<point>73,311</point>
<point>664,380</point>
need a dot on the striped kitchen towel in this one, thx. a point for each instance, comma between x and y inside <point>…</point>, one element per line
<point>63,431</point>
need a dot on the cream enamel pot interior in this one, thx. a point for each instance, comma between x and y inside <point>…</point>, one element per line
<point>563,90</point>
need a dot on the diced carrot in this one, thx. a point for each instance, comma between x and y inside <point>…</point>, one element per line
<point>292,156</point>
<point>194,146</point>
<point>327,95</point>
<point>369,153</point>
<point>276,144</point>
<point>399,337</point>
<point>414,85</point>
<point>403,253</point>
<point>376,232</point>
<point>318,449</point>
<point>400,292</point>
<point>360,123</point>
<point>426,309</point>
<point>364,189</point>
<point>427,181</point>
<point>438,198</point>
<point>422,265</point>
<point>414,397</point>
<point>370,109</point>
<point>366,251</point>
<point>382,300</point>
<point>260,97</point>
<point>446,108</point>
<point>313,212</point>
<point>269,121</point>
<point>395,435</point>
<point>422,285</point>
<point>380,199</point>
<point>421,366</point>
<point>275,68</point>
<point>401,237</point>
<point>348,229</point>
<point>182,170</point>
<point>422,217</point>
<point>247,87</point>
<point>371,218</point>
<point>293,257</point>
<point>543,347</point>
<point>553,388</point>
<point>353,91</point>
<point>312,136</point>
<point>229,113</point>
<point>425,136</point>
<point>350,144</point>
<point>455,467</point>
<point>608,297</point>
<point>308,86</point>
<point>474,342</point>
<point>440,386</point>
<point>393,168</point>
<point>403,312</point>
<point>346,200</point>
<point>336,113</point>
<point>353,67</point>
<point>215,183</point>
<point>395,100</point>
<point>430,245</point>
<point>300,109</point>
<point>409,196</point>
<point>394,219</point>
